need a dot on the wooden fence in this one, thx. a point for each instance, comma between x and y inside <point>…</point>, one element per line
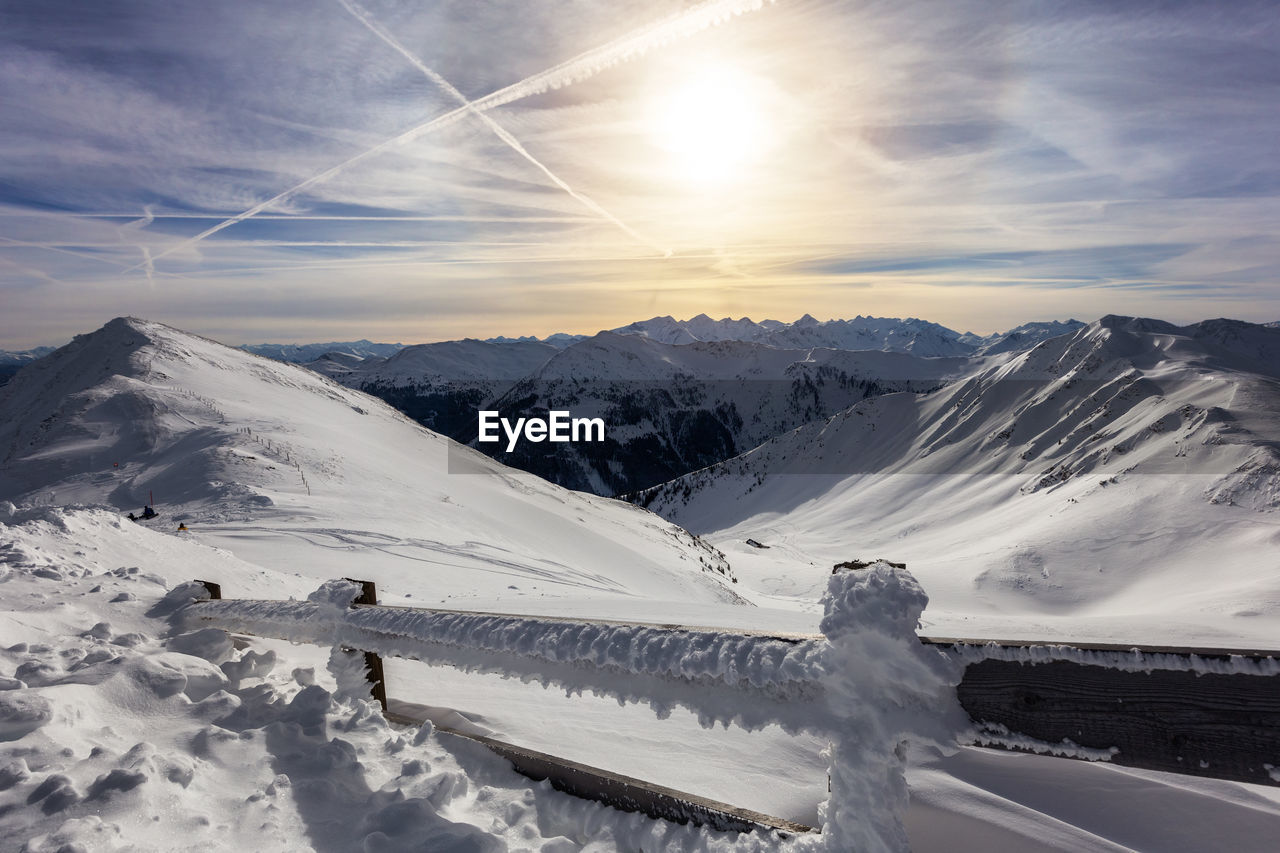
<point>1203,712</point>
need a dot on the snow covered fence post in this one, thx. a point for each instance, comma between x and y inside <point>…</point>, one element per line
<point>372,661</point>
<point>885,689</point>
<point>358,673</point>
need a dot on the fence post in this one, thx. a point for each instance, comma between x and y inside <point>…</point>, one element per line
<point>372,662</point>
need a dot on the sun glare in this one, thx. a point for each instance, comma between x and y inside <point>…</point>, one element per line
<point>713,125</point>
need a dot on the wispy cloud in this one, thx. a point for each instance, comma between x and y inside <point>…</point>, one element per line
<point>978,164</point>
<point>579,68</point>
<point>514,144</point>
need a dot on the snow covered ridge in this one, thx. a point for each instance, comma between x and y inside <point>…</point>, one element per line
<point>239,446</point>
<point>1135,660</point>
<point>869,685</point>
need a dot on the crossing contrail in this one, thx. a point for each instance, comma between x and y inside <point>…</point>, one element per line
<point>363,16</point>
<point>636,43</point>
<point>148,263</point>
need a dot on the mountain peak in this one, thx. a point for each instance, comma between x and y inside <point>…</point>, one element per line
<point>1136,325</point>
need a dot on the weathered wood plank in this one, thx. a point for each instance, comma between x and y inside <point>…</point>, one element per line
<point>1223,726</point>
<point>615,790</point>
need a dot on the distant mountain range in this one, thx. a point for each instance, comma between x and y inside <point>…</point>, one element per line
<point>676,408</point>
<point>25,356</point>
<point>890,334</point>
<point>12,362</point>
<point>677,395</point>
<point>861,333</point>
<point>302,353</point>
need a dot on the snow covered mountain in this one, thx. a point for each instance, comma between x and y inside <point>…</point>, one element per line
<point>303,353</point>
<point>441,386</point>
<point>22,357</point>
<point>1020,338</point>
<point>670,408</point>
<point>917,337</point>
<point>246,450</point>
<point>12,362</point>
<point>665,330</point>
<point>704,328</point>
<point>1122,481</point>
<point>668,429</point>
<point>121,731</point>
<point>669,330</point>
<point>559,340</point>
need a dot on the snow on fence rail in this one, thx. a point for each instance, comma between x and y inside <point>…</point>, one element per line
<point>866,683</point>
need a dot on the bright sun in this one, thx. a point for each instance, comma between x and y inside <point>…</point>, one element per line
<point>713,125</point>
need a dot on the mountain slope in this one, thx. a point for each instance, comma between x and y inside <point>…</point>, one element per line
<point>253,453</point>
<point>1022,337</point>
<point>1127,474</point>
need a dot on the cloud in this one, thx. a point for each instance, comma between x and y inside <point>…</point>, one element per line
<point>708,13</point>
<point>1072,157</point>
<point>511,142</point>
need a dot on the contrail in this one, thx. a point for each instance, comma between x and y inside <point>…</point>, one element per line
<point>148,266</point>
<point>584,65</point>
<point>363,16</point>
<point>148,263</point>
<point>31,271</point>
<point>48,247</point>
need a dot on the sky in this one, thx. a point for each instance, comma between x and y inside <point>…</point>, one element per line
<point>407,170</point>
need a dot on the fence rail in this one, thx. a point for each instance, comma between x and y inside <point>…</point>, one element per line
<point>1208,712</point>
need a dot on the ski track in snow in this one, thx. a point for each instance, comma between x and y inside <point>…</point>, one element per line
<point>480,555</point>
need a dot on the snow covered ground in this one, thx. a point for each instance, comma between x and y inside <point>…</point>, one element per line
<point>115,734</point>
